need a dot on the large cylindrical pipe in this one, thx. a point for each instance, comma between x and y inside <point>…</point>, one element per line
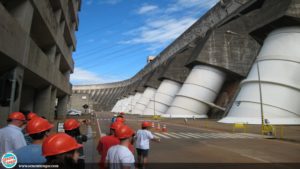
<point>129,107</point>
<point>279,69</point>
<point>136,98</point>
<point>124,104</point>
<point>199,90</point>
<point>144,100</point>
<point>163,97</point>
<point>114,109</point>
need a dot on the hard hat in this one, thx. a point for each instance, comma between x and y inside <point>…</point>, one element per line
<point>120,120</point>
<point>122,113</point>
<point>59,143</point>
<point>16,116</point>
<point>31,115</point>
<point>38,125</point>
<point>116,125</point>
<point>124,132</point>
<point>71,124</point>
<point>146,124</point>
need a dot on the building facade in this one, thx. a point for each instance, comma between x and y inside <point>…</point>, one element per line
<point>37,38</point>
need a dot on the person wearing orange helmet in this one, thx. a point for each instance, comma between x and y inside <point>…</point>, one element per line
<point>120,119</point>
<point>31,115</point>
<point>142,144</point>
<point>119,156</point>
<point>11,136</point>
<point>72,128</point>
<point>108,141</point>
<point>62,150</point>
<point>38,129</point>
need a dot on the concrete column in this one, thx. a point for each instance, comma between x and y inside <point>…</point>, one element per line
<point>62,25</point>
<point>42,102</point>
<point>23,13</point>
<point>52,104</point>
<point>163,98</point>
<point>58,15</point>
<point>198,93</point>
<point>67,74</point>
<point>51,53</point>
<point>62,106</point>
<point>57,60</point>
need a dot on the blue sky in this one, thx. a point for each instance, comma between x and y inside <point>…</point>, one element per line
<point>115,37</point>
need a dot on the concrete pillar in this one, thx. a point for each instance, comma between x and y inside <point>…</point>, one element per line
<point>57,60</point>
<point>52,104</point>
<point>163,98</point>
<point>23,12</point>
<point>58,15</point>
<point>62,25</point>
<point>42,102</point>
<point>197,94</point>
<point>62,106</point>
<point>272,85</point>
<point>51,53</point>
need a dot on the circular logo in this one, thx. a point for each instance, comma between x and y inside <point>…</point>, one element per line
<point>9,160</point>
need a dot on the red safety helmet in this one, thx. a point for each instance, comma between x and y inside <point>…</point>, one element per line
<point>116,125</point>
<point>146,124</point>
<point>38,125</point>
<point>16,116</point>
<point>31,115</point>
<point>59,143</point>
<point>124,132</point>
<point>122,113</point>
<point>71,124</point>
<point>120,120</point>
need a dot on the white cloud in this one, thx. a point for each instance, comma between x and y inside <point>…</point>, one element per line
<point>82,76</point>
<point>147,8</point>
<point>184,4</point>
<point>162,31</point>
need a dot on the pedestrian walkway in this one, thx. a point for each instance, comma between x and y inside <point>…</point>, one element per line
<point>185,135</point>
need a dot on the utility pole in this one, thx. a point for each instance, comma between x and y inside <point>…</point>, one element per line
<point>260,96</point>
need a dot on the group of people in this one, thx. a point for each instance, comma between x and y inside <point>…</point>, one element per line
<point>30,138</point>
<point>117,149</point>
<point>61,149</point>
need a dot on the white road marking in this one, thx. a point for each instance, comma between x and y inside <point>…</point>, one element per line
<point>162,135</point>
<point>188,135</point>
<point>180,135</point>
<point>172,135</point>
<point>99,128</point>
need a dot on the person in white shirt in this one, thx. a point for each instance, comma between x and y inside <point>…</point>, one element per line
<point>11,136</point>
<point>142,144</point>
<point>119,156</point>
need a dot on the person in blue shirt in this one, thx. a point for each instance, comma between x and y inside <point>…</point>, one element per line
<point>38,129</point>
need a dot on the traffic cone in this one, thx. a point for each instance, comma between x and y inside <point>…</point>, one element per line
<point>164,128</point>
<point>158,127</point>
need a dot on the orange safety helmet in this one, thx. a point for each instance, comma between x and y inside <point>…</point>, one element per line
<point>71,124</point>
<point>31,115</point>
<point>59,143</point>
<point>116,125</point>
<point>16,116</point>
<point>120,120</point>
<point>38,125</point>
<point>146,124</point>
<point>124,132</point>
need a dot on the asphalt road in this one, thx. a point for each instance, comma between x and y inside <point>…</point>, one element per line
<point>183,144</point>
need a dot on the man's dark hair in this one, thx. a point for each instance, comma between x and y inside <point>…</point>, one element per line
<point>38,136</point>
